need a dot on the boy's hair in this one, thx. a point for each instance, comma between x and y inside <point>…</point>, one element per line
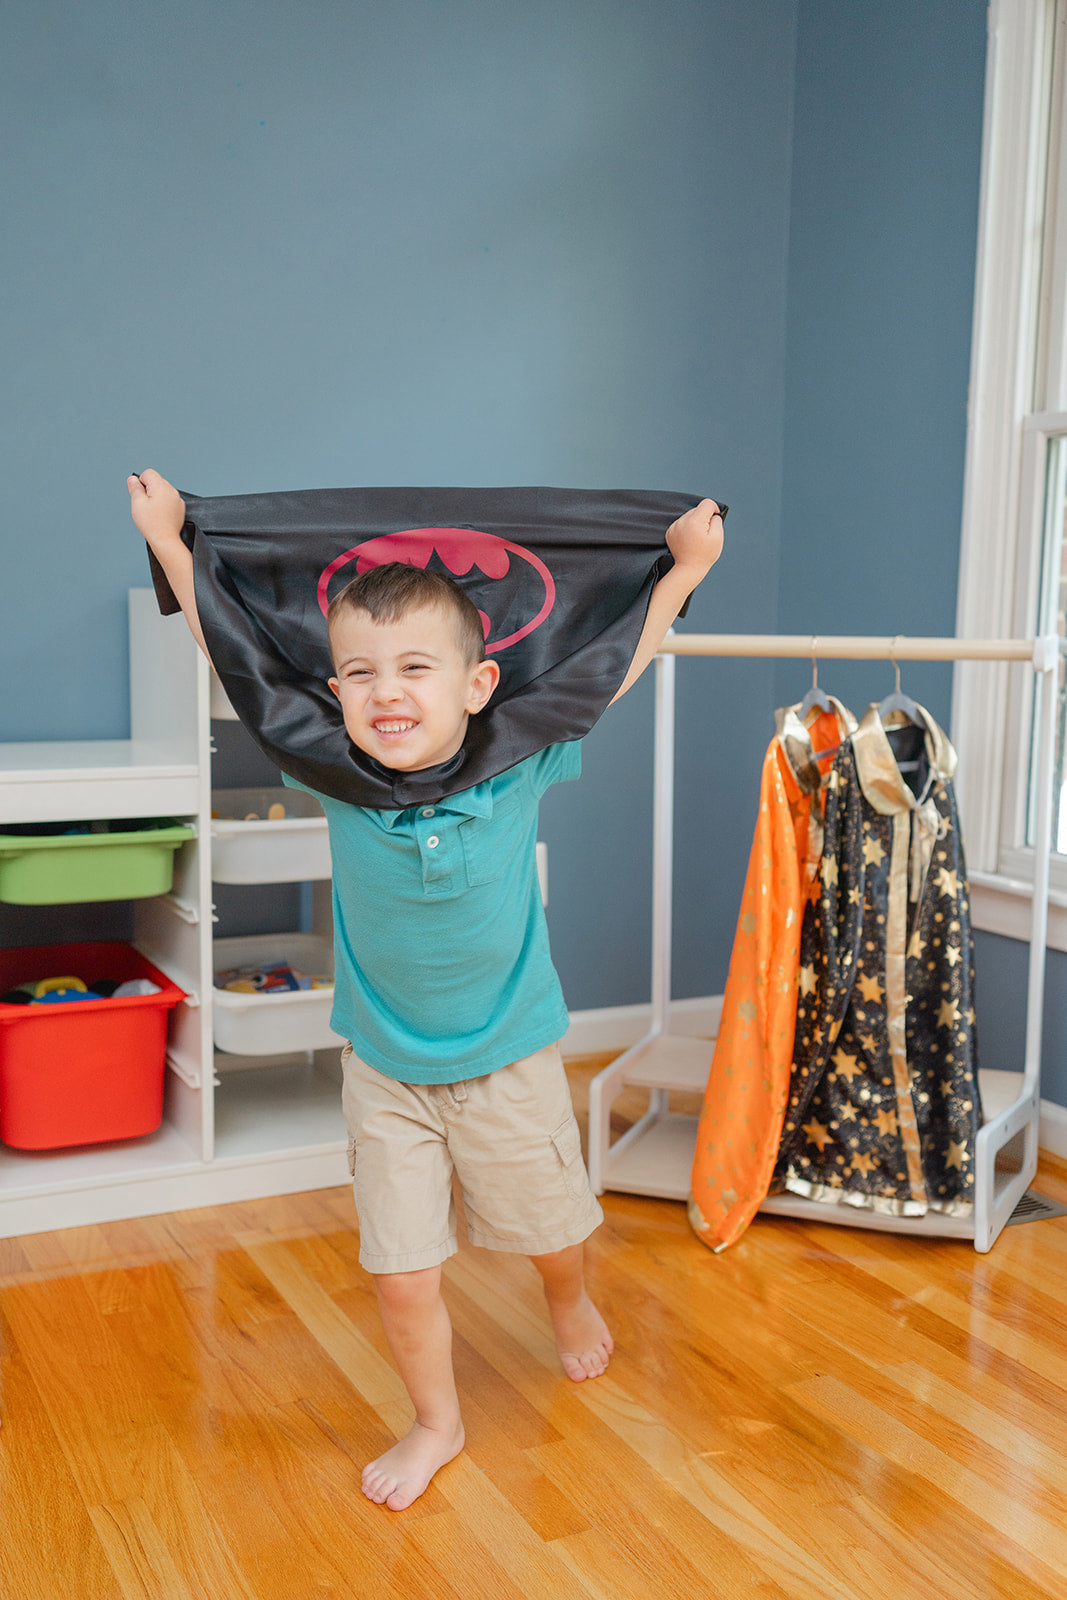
<point>389,592</point>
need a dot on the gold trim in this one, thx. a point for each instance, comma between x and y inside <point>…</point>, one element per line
<point>896,1000</point>
<point>823,1192</point>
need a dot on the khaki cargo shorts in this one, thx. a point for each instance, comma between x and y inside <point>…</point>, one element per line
<point>510,1136</point>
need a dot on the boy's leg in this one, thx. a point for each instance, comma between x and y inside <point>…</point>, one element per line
<point>582,1336</point>
<point>417,1326</point>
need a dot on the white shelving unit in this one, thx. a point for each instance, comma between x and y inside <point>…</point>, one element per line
<point>233,1127</point>
<point>655,1156</point>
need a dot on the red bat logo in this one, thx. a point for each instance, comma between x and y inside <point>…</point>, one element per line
<point>460,549</point>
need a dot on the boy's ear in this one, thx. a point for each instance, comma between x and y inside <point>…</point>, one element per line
<point>335,686</point>
<point>483,682</point>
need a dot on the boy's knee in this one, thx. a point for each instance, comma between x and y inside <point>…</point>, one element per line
<point>402,1291</point>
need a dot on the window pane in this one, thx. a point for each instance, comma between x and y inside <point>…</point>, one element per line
<point>1052,614</point>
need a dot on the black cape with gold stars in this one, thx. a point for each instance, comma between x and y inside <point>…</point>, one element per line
<point>884,1106</point>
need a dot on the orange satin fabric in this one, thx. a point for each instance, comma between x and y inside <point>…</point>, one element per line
<point>748,1086</point>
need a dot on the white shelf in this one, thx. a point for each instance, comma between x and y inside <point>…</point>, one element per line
<point>277,1107</point>
<point>97,778</point>
<point>29,1173</point>
<point>671,1062</point>
<point>233,1128</point>
<point>655,1156</point>
<point>657,1160</point>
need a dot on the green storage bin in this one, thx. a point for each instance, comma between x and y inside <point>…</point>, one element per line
<point>41,866</point>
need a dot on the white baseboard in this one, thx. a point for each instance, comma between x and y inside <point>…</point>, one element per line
<point>1052,1131</point>
<point>618,1027</point>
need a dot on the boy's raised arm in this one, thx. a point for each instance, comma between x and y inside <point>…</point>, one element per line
<point>159,512</point>
<point>695,542</point>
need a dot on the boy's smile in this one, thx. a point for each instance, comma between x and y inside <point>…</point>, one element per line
<point>405,689</point>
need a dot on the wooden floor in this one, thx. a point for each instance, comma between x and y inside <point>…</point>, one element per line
<point>820,1412</point>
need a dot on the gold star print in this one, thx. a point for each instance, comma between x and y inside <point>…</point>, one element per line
<point>873,854</point>
<point>946,1087</point>
<point>748,1011</point>
<point>862,1163</point>
<point>817,1134</point>
<point>845,1066</point>
<point>887,1121</point>
<point>948,1014</point>
<point>729,1197</point>
<point>868,1043</point>
<point>806,980</point>
<point>916,945</point>
<point>870,988</point>
<point>847,1113</point>
<point>829,871</point>
<point>748,922</point>
<point>956,1155</point>
<point>854,895</point>
<point>953,953</point>
<point>948,882</point>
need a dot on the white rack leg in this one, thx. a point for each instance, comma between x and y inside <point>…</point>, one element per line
<point>606,1087</point>
<point>993,1203</point>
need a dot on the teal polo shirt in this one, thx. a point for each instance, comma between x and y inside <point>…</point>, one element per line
<point>442,967</point>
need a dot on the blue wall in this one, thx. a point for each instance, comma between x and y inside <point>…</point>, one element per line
<point>884,217</point>
<point>702,245</point>
<point>884,206</point>
<point>369,241</point>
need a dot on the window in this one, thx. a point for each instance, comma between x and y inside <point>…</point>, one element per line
<point>1013,580</point>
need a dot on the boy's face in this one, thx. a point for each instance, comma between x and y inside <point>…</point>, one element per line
<point>405,689</point>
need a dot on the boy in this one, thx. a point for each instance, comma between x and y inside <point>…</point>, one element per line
<point>443,975</point>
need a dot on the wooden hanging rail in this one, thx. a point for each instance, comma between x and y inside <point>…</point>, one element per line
<point>848,647</point>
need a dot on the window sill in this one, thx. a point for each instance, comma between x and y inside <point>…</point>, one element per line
<point>1002,905</point>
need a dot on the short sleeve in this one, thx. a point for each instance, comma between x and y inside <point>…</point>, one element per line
<point>557,764</point>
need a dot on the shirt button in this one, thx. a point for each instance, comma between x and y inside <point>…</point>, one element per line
<point>432,842</point>
<point>428,811</point>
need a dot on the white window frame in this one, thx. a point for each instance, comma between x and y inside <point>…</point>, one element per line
<point>1017,403</point>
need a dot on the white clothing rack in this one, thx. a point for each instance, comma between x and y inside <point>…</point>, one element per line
<point>655,1156</point>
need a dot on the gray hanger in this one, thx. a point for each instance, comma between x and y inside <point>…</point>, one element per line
<point>815,697</point>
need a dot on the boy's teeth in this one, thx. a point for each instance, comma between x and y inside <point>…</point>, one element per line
<point>393,727</point>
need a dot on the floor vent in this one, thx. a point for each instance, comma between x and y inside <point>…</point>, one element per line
<point>1033,1207</point>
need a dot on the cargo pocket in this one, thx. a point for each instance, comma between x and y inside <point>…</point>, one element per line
<point>568,1143</point>
<point>351,1158</point>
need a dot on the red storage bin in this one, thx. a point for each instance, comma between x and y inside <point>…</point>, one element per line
<point>85,1071</point>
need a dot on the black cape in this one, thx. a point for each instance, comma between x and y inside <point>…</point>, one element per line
<point>562,578</point>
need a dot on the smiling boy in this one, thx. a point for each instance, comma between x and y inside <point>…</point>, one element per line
<point>444,983</point>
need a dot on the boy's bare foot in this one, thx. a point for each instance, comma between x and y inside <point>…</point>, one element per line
<point>397,1478</point>
<point>582,1338</point>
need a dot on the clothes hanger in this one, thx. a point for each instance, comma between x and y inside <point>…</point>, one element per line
<point>816,698</point>
<point>898,701</point>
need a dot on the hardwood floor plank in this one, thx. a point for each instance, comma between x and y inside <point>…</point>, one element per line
<point>137,1552</point>
<point>1026,1539</point>
<point>372,1377</point>
<point>459,1565</point>
<point>499,1532</point>
<point>49,1548</point>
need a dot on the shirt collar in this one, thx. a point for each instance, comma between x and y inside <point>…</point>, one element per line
<point>476,802</point>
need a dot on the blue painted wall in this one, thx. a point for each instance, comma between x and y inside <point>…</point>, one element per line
<point>884,203</point>
<point>701,245</point>
<point>364,241</point>
<point>884,217</point>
